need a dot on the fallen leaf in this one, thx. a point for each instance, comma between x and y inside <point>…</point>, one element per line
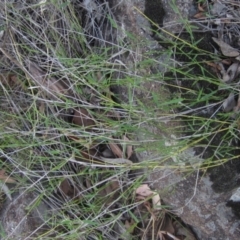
<point>82,118</point>
<point>215,67</point>
<point>89,155</point>
<point>231,73</point>
<point>200,15</point>
<point>129,147</point>
<point>109,188</point>
<point>144,190</point>
<point>116,150</point>
<point>68,189</point>
<point>156,201</point>
<point>6,178</point>
<point>226,61</point>
<point>11,80</point>
<point>51,86</point>
<point>226,49</point>
<point>229,103</point>
<point>200,8</point>
<point>130,226</point>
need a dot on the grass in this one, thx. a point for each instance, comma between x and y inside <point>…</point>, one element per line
<point>47,154</point>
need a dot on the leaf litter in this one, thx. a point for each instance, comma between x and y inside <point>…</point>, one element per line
<point>220,16</point>
<point>71,190</point>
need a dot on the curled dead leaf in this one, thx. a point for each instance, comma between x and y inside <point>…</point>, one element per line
<point>231,73</point>
<point>226,49</point>
<point>145,191</point>
<point>116,150</point>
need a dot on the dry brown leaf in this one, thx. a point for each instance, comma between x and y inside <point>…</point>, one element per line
<point>66,188</point>
<point>6,178</point>
<point>201,8</point>
<point>130,226</point>
<point>89,155</point>
<point>116,150</point>
<point>108,192</point>
<point>129,147</point>
<point>51,85</point>
<point>109,188</point>
<point>215,67</point>
<point>226,49</point>
<point>11,80</point>
<point>82,118</point>
<point>226,61</point>
<point>145,191</point>
<point>69,190</point>
<point>200,15</point>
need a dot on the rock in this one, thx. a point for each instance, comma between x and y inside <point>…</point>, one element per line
<point>191,196</point>
<point>193,199</point>
<point>19,222</point>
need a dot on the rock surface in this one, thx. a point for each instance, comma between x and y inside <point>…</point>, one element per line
<point>191,195</point>
<point>21,223</point>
